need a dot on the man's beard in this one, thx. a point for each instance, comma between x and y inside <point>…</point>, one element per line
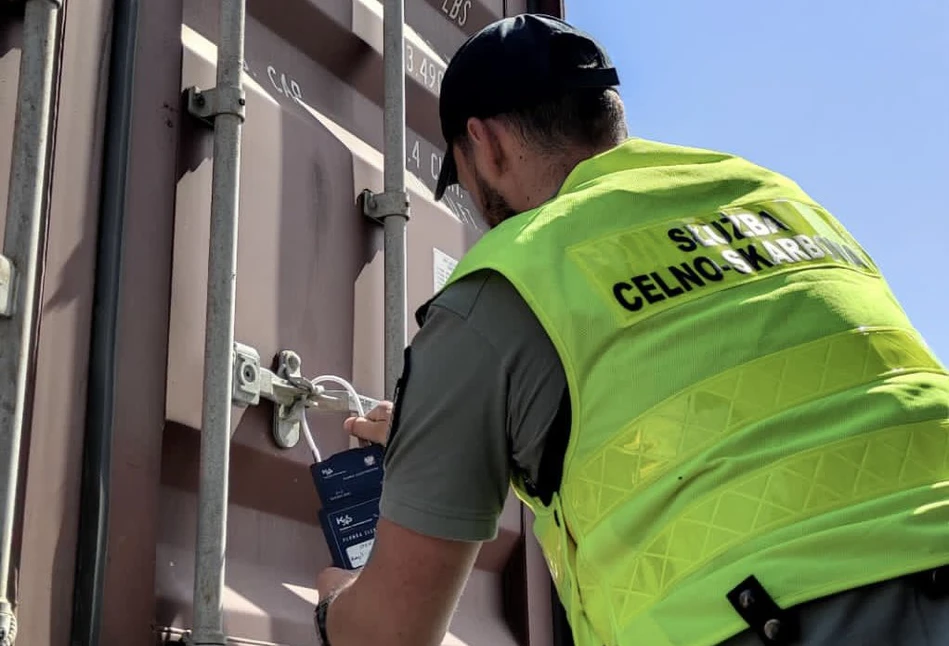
<point>496,209</point>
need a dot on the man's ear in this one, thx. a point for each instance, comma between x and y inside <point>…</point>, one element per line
<point>485,148</point>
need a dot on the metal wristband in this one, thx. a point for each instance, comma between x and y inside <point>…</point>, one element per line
<point>321,609</point>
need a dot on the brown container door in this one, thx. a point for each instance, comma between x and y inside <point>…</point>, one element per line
<point>310,280</point>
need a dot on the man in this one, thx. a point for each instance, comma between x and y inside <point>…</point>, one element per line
<point>726,427</point>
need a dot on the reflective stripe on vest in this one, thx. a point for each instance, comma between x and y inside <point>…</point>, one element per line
<point>684,425</point>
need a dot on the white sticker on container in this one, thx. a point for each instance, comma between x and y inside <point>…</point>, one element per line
<point>358,554</point>
<point>443,265</point>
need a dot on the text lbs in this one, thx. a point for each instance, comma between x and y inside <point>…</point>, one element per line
<point>457,10</point>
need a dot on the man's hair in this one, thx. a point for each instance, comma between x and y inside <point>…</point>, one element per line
<point>583,118</point>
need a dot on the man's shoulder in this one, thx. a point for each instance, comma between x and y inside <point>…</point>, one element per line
<point>486,300</point>
<point>461,296</point>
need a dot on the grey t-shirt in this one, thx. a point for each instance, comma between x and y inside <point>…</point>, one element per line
<point>483,386</point>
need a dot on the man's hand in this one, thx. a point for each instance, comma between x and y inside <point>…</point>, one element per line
<point>332,579</point>
<point>374,427</point>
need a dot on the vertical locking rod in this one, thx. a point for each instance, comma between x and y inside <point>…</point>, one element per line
<point>393,49</point>
<point>28,183</point>
<point>219,333</point>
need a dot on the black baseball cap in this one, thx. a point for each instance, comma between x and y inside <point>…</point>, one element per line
<point>511,64</point>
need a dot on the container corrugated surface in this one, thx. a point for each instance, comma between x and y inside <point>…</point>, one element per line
<point>309,279</point>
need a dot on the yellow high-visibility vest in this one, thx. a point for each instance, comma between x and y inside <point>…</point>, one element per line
<point>748,397</point>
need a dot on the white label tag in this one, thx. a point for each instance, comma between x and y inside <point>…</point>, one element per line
<point>358,554</point>
<point>442,265</point>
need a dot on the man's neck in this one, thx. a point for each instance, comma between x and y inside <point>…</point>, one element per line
<point>544,184</point>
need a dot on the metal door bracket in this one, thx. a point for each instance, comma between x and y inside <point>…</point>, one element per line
<point>207,104</point>
<point>290,392</point>
<point>379,206</point>
<point>288,417</point>
<point>7,287</point>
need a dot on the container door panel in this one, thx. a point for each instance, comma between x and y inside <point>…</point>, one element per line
<point>309,279</point>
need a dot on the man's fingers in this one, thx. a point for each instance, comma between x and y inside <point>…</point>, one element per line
<point>374,427</point>
<point>369,430</point>
<point>366,429</point>
<point>381,411</point>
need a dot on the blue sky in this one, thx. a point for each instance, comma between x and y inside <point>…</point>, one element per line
<point>850,99</point>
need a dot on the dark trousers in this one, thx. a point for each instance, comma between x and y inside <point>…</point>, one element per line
<point>900,612</point>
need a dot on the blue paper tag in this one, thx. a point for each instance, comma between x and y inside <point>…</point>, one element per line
<point>350,532</point>
<point>350,476</point>
<point>350,485</point>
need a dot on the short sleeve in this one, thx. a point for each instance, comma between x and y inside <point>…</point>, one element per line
<point>447,461</point>
<point>482,387</point>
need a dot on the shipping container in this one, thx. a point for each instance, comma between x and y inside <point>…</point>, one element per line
<point>107,505</point>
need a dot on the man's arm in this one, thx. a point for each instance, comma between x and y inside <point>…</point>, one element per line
<point>406,594</point>
<point>446,479</point>
<point>482,386</point>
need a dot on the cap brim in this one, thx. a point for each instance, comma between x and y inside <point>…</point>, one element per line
<point>447,176</point>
